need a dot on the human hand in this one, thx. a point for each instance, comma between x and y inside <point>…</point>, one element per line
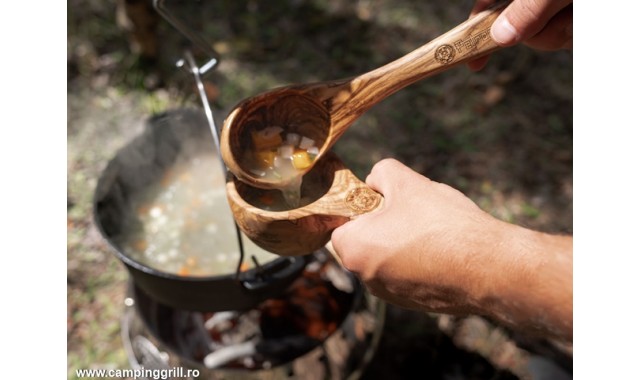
<point>539,24</point>
<point>413,251</point>
<point>431,248</point>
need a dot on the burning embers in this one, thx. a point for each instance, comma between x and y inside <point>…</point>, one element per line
<point>283,328</point>
<point>323,326</point>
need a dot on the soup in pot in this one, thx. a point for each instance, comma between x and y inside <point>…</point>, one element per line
<point>182,223</point>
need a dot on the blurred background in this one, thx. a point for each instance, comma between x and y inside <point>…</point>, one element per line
<point>503,136</point>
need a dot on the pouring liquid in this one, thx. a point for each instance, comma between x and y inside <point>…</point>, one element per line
<point>292,192</point>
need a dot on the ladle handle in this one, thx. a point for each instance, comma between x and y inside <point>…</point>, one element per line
<point>357,199</point>
<point>360,198</point>
<point>348,198</point>
<point>467,41</point>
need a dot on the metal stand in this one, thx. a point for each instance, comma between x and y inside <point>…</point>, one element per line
<point>189,63</point>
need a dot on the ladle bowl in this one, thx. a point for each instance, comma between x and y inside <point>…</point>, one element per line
<point>339,197</point>
<point>324,111</point>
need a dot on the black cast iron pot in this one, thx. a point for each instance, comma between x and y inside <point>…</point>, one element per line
<point>142,162</point>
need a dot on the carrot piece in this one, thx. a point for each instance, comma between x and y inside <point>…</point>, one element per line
<point>265,158</point>
<point>144,209</point>
<point>266,138</point>
<point>140,245</point>
<point>191,261</point>
<point>167,178</point>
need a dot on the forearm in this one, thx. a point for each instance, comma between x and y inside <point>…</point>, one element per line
<point>530,285</point>
<point>431,248</point>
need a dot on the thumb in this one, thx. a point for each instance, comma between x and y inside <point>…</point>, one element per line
<point>523,19</point>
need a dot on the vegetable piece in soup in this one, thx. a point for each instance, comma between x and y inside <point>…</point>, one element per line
<point>281,156</point>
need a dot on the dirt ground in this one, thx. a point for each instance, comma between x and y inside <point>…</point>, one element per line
<point>503,136</point>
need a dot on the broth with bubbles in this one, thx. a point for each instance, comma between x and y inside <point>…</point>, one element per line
<point>182,223</point>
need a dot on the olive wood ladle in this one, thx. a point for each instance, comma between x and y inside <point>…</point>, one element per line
<point>323,111</point>
<point>340,197</point>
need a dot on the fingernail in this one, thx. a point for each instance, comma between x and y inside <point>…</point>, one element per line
<point>503,32</point>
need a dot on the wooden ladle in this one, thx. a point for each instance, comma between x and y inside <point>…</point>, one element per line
<point>339,196</point>
<point>323,111</point>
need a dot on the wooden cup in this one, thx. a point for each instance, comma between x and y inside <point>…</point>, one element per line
<point>302,230</point>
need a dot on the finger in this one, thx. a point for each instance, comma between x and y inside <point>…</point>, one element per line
<point>380,179</point>
<point>391,178</point>
<point>339,237</point>
<point>480,6</point>
<point>348,242</point>
<point>383,175</point>
<point>523,19</point>
<point>557,34</point>
<point>478,64</point>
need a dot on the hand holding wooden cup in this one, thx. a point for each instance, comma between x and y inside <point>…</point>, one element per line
<point>334,195</point>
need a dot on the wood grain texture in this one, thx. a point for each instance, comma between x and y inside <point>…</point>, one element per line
<point>303,230</point>
<point>324,111</point>
<point>287,108</point>
<point>465,42</point>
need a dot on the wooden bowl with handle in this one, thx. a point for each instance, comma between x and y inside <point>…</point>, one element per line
<point>337,197</point>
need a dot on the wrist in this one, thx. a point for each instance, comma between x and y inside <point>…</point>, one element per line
<point>528,284</point>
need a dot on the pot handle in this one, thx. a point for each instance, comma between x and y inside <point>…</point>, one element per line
<point>279,276</point>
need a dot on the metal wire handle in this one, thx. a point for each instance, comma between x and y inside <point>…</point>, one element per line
<point>189,63</point>
<point>194,37</point>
